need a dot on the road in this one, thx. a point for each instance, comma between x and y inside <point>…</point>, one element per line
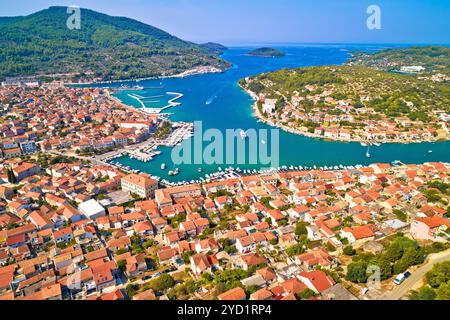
<point>416,276</point>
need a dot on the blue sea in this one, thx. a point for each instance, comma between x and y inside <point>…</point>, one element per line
<point>218,101</point>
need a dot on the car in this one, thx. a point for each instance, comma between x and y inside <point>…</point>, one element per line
<point>399,279</point>
<point>364,291</point>
<point>157,274</point>
<point>407,274</point>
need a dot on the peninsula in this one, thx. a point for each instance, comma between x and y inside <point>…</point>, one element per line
<point>429,62</point>
<point>350,103</point>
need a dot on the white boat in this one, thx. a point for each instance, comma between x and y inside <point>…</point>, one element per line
<point>377,144</point>
<point>200,170</point>
<point>430,151</point>
<point>263,141</point>
<point>243,134</point>
<point>363,144</point>
<point>368,153</point>
<point>163,166</point>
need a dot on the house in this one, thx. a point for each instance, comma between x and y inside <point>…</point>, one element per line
<point>430,228</point>
<point>249,260</point>
<point>316,257</point>
<point>337,292</point>
<point>318,281</point>
<point>168,255</point>
<point>140,184</point>
<point>233,294</point>
<point>262,294</point>
<point>26,170</point>
<point>6,192</point>
<point>63,235</point>
<point>269,106</point>
<point>268,274</point>
<point>358,235</point>
<point>256,280</point>
<point>276,217</point>
<point>203,263</point>
<point>135,265</point>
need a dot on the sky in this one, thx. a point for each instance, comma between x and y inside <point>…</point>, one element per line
<point>273,21</point>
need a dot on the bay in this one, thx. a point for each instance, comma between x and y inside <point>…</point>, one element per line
<point>218,101</point>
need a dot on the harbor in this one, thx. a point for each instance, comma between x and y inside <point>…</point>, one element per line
<point>143,102</point>
<point>219,102</point>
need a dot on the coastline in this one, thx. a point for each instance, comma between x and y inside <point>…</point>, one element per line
<point>259,117</point>
<point>187,73</point>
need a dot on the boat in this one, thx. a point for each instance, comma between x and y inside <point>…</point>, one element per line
<point>163,166</point>
<point>368,153</point>
<point>363,144</point>
<point>430,151</point>
<point>200,170</point>
<point>210,100</point>
<point>243,134</point>
<point>263,141</point>
<point>377,144</point>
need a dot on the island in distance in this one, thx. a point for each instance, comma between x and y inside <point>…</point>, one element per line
<point>267,52</point>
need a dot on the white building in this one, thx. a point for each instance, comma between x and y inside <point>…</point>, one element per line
<point>269,106</point>
<point>92,209</point>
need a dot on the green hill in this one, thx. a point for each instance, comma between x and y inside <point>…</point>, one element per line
<point>388,94</point>
<point>433,58</point>
<point>105,46</point>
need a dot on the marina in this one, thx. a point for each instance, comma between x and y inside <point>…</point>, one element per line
<point>231,108</point>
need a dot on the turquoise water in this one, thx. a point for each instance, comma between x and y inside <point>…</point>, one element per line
<point>230,108</point>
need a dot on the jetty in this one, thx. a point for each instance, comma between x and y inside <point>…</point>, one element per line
<point>171,103</point>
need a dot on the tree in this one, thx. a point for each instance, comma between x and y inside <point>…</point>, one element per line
<point>122,264</point>
<point>424,293</point>
<point>163,282</point>
<point>400,215</point>
<point>384,265</point>
<point>131,290</point>
<point>394,252</point>
<point>357,271</point>
<point>300,228</point>
<point>439,274</point>
<point>349,251</point>
<point>306,294</point>
<point>295,250</point>
<point>443,292</point>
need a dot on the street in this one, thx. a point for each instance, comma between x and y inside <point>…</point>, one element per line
<point>416,276</point>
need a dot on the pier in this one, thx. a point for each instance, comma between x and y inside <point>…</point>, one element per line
<point>171,103</point>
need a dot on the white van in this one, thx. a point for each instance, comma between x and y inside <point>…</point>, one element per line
<point>399,279</point>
